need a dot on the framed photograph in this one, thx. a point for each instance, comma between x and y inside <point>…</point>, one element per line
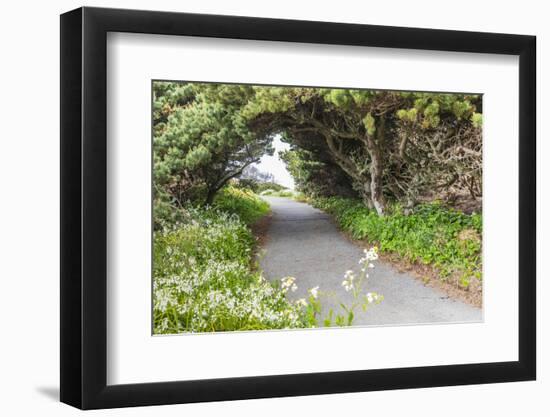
<point>257,208</point>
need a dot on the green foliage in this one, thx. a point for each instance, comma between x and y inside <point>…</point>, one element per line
<point>269,186</point>
<point>431,115</point>
<point>339,97</point>
<point>434,107</point>
<point>409,138</point>
<point>244,203</point>
<point>203,282</point>
<point>369,123</point>
<point>432,234</point>
<point>269,100</point>
<point>202,274</point>
<point>201,138</point>
<point>285,193</point>
<point>165,214</point>
<point>207,134</point>
<point>313,177</point>
<point>280,193</point>
<point>477,119</point>
<point>409,115</point>
<point>246,184</point>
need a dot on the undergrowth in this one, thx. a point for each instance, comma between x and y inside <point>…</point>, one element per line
<point>202,277</point>
<point>432,234</point>
<point>241,202</point>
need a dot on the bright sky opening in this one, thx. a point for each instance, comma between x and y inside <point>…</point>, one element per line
<point>275,165</point>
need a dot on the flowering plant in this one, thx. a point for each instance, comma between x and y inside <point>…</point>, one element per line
<point>203,282</point>
<point>354,284</point>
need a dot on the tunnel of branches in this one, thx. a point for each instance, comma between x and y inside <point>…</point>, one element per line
<point>383,147</point>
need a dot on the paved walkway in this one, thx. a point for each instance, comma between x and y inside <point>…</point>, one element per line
<point>304,243</point>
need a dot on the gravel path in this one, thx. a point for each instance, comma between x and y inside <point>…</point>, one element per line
<point>304,243</point>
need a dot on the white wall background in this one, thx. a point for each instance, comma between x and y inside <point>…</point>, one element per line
<point>29,207</point>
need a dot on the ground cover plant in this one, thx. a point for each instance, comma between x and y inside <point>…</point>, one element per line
<point>280,193</point>
<point>241,202</point>
<point>202,277</point>
<point>431,234</point>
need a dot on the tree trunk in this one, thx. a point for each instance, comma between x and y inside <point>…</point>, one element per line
<point>210,196</point>
<point>218,185</point>
<point>377,195</point>
<point>365,194</point>
<point>375,147</point>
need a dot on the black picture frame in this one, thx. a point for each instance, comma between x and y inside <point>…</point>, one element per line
<point>84,207</point>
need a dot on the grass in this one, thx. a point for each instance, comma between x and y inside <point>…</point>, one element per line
<point>432,235</point>
<point>243,203</point>
<point>280,193</point>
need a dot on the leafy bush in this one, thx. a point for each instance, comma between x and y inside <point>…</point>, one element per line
<point>301,197</point>
<point>285,193</point>
<point>262,186</point>
<point>269,192</point>
<point>245,184</point>
<point>281,193</point>
<point>233,200</point>
<point>244,203</point>
<point>432,234</point>
<point>203,282</point>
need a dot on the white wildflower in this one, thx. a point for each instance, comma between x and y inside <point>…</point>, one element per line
<point>292,316</point>
<point>314,292</point>
<point>369,256</point>
<point>347,284</point>
<point>349,275</point>
<point>288,283</point>
<point>301,302</point>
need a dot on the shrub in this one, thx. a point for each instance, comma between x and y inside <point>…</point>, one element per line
<point>432,234</point>
<point>246,184</point>
<point>285,193</point>
<point>269,191</point>
<point>262,186</point>
<point>203,282</point>
<point>301,197</point>
<point>244,203</point>
<point>281,193</point>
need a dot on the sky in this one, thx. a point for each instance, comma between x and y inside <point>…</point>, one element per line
<point>275,165</point>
